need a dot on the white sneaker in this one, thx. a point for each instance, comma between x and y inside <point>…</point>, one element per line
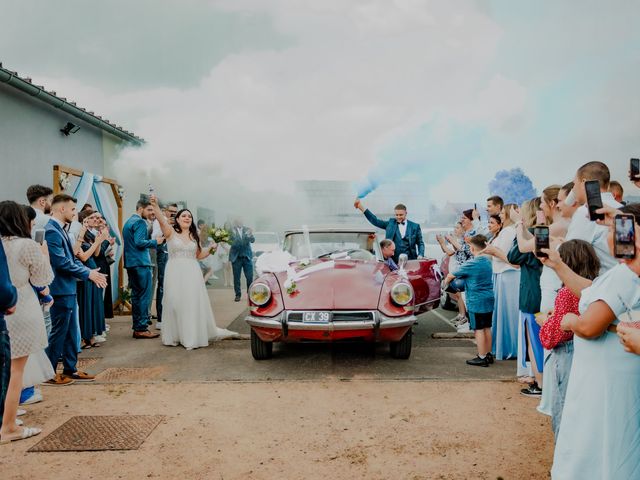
<point>459,320</point>
<point>99,339</point>
<point>463,328</point>
<point>35,398</point>
<point>158,325</point>
<point>107,327</point>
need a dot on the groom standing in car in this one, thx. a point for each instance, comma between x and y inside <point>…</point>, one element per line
<point>405,234</point>
<point>241,255</point>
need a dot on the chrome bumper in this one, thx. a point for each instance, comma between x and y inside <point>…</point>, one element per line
<point>380,321</point>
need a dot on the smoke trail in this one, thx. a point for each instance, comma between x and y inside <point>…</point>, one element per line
<point>427,153</point>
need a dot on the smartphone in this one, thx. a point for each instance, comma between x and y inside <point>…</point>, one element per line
<point>594,199</point>
<point>624,240</point>
<point>151,190</point>
<point>541,218</point>
<point>541,234</point>
<point>634,168</point>
<point>38,236</point>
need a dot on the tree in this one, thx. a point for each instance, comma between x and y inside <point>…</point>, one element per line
<point>513,186</point>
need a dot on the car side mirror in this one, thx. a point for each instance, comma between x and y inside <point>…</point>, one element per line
<point>402,260</point>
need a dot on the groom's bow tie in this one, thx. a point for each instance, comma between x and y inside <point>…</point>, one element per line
<point>401,223</point>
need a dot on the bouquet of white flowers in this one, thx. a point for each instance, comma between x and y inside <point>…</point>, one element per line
<point>220,235</point>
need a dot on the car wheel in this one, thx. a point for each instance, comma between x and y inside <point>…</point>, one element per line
<point>259,349</point>
<point>402,349</point>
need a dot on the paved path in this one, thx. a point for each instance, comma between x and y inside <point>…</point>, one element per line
<point>231,360</point>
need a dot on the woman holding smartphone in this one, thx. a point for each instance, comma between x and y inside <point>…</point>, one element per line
<point>600,429</point>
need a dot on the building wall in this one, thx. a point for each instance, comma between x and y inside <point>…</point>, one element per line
<point>31,143</point>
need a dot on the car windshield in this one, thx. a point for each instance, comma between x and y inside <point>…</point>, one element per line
<point>265,237</point>
<point>361,245</point>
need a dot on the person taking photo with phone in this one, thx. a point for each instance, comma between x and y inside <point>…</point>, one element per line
<point>600,425</point>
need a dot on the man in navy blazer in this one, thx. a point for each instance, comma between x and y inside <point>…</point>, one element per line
<point>67,270</point>
<point>405,234</point>
<point>241,255</point>
<point>8,299</point>
<point>137,261</point>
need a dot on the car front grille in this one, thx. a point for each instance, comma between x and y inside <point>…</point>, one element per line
<point>338,316</point>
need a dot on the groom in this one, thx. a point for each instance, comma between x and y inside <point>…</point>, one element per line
<point>406,235</point>
<point>240,255</point>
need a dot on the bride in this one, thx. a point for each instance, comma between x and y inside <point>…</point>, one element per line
<point>187,318</point>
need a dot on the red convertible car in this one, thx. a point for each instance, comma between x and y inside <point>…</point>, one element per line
<point>335,287</point>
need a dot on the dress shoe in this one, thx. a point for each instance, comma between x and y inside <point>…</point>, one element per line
<point>145,334</point>
<point>478,362</point>
<point>237,298</point>
<point>79,376</point>
<point>59,381</point>
<point>490,357</point>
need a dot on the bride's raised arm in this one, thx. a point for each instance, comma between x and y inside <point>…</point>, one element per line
<point>167,230</point>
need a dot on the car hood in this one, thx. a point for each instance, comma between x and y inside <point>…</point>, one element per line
<point>345,285</point>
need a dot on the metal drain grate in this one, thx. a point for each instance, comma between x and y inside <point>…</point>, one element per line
<point>130,374</point>
<point>83,363</point>
<point>95,433</point>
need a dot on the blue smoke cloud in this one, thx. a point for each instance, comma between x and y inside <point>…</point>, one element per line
<point>430,153</point>
<point>513,186</point>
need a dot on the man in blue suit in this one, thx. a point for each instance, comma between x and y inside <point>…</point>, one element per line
<point>137,261</point>
<point>67,270</point>
<point>8,299</point>
<point>241,255</point>
<point>405,234</point>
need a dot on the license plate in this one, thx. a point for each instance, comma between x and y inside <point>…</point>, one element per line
<point>316,317</point>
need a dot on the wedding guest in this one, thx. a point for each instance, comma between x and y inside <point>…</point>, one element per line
<point>67,270</point>
<point>529,346</point>
<point>581,227</point>
<point>240,255</point>
<point>463,255</point>
<point>388,250</point>
<point>506,283</point>
<point>615,188</point>
<point>137,261</point>
<point>406,235</point>
<point>104,259</point>
<point>600,428</point>
<point>90,296</point>
<point>495,205</point>
<point>581,258</point>
<point>8,300</point>
<point>162,256</point>
<point>39,197</point>
<point>452,249</point>
<point>566,210</point>
<point>28,266</point>
<point>477,274</point>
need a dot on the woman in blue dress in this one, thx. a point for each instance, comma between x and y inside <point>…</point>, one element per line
<point>90,297</point>
<point>600,431</point>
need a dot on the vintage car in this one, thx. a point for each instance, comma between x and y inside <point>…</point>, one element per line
<point>336,287</point>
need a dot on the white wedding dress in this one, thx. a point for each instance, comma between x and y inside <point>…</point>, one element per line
<point>187,318</point>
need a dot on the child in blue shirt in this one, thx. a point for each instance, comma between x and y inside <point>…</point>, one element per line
<point>478,276</point>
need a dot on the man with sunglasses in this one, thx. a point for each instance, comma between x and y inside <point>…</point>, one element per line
<point>170,211</point>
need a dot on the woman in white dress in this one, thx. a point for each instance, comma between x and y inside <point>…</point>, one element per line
<point>187,315</point>
<point>29,267</point>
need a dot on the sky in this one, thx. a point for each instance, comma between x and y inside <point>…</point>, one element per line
<point>236,97</point>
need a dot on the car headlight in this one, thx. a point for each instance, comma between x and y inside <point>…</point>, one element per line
<point>401,293</point>
<point>259,294</point>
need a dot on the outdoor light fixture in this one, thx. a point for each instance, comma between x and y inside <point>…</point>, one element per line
<point>69,128</point>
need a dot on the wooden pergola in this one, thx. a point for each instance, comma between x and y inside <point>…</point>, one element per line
<point>123,306</point>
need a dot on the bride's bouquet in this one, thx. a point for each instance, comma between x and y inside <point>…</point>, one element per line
<point>219,235</point>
